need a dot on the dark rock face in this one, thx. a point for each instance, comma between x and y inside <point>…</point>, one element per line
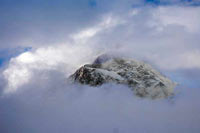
<point>140,77</point>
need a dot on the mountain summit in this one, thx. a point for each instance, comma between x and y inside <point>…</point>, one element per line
<point>140,77</point>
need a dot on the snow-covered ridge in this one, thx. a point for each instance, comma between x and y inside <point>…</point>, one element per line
<point>144,80</point>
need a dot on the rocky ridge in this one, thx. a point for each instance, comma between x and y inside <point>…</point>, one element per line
<point>144,80</point>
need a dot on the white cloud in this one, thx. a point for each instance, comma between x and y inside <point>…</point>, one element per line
<point>53,106</point>
<point>187,60</point>
<point>63,58</point>
<point>109,21</point>
<point>134,35</point>
<point>134,12</point>
<point>188,17</point>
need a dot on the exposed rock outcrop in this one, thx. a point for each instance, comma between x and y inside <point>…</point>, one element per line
<point>140,77</point>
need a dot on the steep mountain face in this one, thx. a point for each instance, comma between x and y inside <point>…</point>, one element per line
<point>140,77</point>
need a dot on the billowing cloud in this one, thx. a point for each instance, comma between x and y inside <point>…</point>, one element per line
<point>158,35</point>
<point>63,58</point>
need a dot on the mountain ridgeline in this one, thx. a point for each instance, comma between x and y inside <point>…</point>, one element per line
<point>144,80</point>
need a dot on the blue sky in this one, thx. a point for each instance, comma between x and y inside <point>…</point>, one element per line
<point>43,42</point>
